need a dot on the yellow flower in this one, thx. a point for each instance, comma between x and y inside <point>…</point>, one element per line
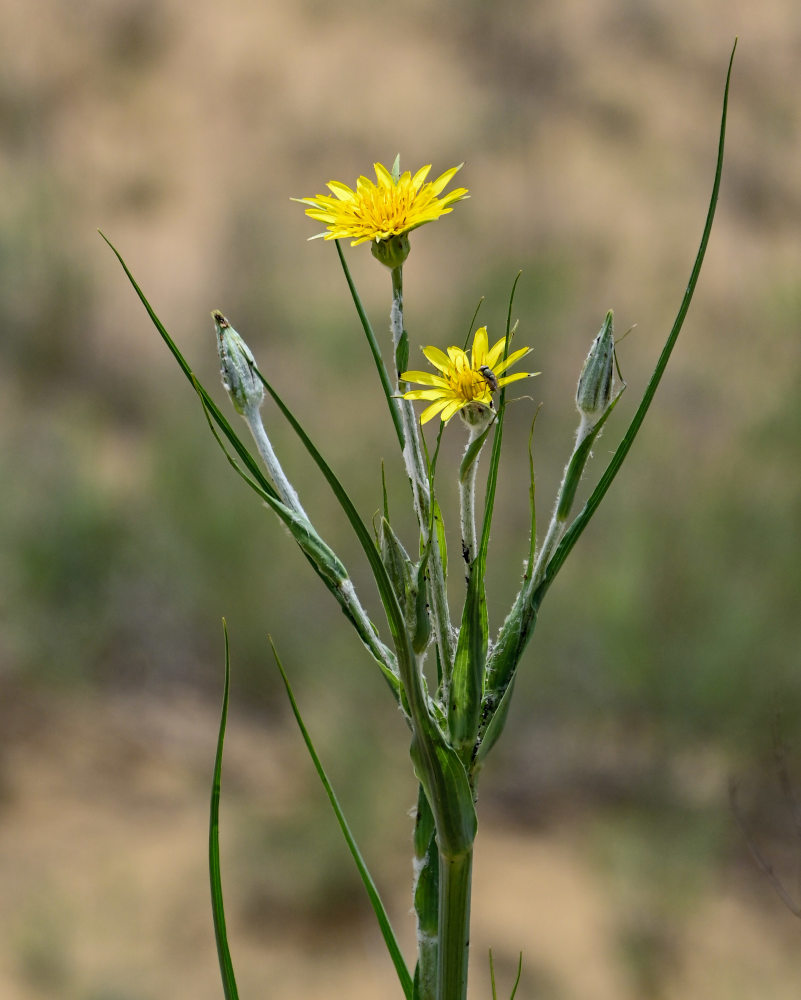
<point>465,384</point>
<point>391,207</point>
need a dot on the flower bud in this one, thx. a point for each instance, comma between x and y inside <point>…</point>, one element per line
<point>237,367</point>
<point>594,390</point>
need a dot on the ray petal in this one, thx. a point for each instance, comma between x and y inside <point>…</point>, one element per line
<point>438,358</point>
<point>433,410</point>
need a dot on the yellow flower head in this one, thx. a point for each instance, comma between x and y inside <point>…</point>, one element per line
<point>464,384</point>
<point>393,206</point>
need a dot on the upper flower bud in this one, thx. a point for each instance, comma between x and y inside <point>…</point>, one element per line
<point>237,366</point>
<point>594,390</point>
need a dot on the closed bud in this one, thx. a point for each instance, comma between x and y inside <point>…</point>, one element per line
<point>237,367</point>
<point>594,391</point>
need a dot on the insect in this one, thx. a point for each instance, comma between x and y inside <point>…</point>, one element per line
<point>489,377</point>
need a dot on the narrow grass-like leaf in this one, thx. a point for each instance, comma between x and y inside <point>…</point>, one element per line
<point>492,976</point>
<point>382,917</point>
<point>464,694</point>
<point>495,457</point>
<point>245,455</point>
<point>519,974</point>
<point>495,724</point>
<point>439,532</point>
<point>532,494</point>
<point>378,358</point>
<point>573,533</point>
<point>472,323</point>
<point>217,908</point>
<point>472,452</point>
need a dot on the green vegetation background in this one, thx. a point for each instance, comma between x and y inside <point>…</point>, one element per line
<point>588,133</point>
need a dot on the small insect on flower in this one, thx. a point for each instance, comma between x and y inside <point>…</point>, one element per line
<point>489,377</point>
<point>464,383</point>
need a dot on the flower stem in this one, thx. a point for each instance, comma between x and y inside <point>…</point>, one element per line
<point>345,592</point>
<point>286,491</point>
<point>467,504</point>
<point>562,507</point>
<point>455,877</point>
<point>418,477</point>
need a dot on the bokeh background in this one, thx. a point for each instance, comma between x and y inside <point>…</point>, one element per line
<point>667,653</point>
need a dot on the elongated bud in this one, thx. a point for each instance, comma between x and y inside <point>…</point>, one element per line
<point>236,367</point>
<point>595,382</point>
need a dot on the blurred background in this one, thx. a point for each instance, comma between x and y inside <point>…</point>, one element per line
<point>667,653</point>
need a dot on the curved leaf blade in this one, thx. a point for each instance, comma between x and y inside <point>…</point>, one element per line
<point>573,533</point>
<point>382,917</point>
<point>217,908</point>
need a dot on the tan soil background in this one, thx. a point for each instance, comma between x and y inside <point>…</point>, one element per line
<point>588,132</point>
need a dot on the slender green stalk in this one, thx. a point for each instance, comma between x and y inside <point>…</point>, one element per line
<point>455,878</point>
<point>375,350</point>
<point>345,592</point>
<point>418,477</point>
<point>467,501</point>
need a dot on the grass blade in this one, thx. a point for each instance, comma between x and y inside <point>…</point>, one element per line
<point>217,909</point>
<point>378,358</point>
<point>375,899</point>
<point>573,533</point>
<point>236,443</point>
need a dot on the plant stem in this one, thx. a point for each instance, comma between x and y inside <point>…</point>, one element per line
<point>284,488</point>
<point>418,477</point>
<point>345,593</point>
<point>467,504</point>
<point>455,877</point>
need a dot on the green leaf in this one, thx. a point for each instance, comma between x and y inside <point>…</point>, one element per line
<point>492,976</point>
<point>250,462</point>
<point>575,530</point>
<point>375,350</point>
<point>495,457</point>
<point>384,923</point>
<point>472,452</point>
<point>496,722</point>
<point>464,695</point>
<point>517,979</point>
<point>421,632</point>
<point>439,532</point>
<point>472,323</point>
<point>217,908</point>
<point>532,493</point>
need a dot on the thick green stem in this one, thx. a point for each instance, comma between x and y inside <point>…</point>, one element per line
<point>455,877</point>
